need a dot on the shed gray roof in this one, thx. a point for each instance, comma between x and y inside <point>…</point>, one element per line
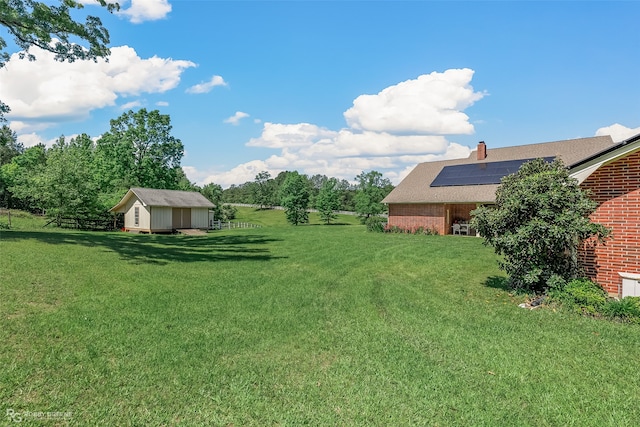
<point>415,188</point>
<point>165,198</point>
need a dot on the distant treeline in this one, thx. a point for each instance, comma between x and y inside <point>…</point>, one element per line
<point>82,178</point>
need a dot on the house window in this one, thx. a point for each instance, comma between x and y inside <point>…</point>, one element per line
<point>136,216</point>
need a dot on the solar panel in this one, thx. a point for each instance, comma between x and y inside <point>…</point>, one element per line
<point>478,173</point>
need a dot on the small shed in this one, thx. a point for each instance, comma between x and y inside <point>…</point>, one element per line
<point>151,210</point>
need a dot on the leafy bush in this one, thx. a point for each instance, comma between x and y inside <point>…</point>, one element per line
<point>415,230</point>
<point>540,219</point>
<point>587,297</point>
<point>581,295</point>
<point>627,309</point>
<point>228,212</point>
<point>376,224</point>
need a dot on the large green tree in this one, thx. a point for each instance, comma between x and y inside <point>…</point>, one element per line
<point>213,192</point>
<point>139,151</point>
<point>9,145</point>
<point>66,187</point>
<point>540,218</point>
<point>52,28</point>
<point>9,149</point>
<point>20,178</point>
<point>238,193</point>
<point>328,200</point>
<point>371,189</point>
<point>264,190</point>
<point>294,196</point>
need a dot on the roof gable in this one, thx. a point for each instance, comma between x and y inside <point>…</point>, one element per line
<point>583,169</point>
<point>164,198</point>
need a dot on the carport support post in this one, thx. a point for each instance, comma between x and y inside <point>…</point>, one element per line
<point>448,224</point>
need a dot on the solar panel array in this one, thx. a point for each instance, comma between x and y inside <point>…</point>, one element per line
<point>478,173</point>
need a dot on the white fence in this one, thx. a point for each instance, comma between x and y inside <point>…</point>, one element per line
<point>228,225</point>
<point>246,205</point>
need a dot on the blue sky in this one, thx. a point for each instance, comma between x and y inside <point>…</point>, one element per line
<point>340,87</point>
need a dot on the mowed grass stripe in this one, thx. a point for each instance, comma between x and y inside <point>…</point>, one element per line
<point>293,325</point>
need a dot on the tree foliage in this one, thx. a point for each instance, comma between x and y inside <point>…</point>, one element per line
<point>66,186</point>
<point>371,189</point>
<point>9,145</point>
<point>264,190</point>
<point>82,179</point>
<point>540,218</point>
<point>213,193</point>
<point>9,148</point>
<point>139,151</point>
<point>328,200</point>
<point>19,178</point>
<point>294,196</point>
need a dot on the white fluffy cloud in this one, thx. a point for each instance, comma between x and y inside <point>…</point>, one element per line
<point>394,167</point>
<point>144,10</point>
<point>431,104</point>
<point>276,135</point>
<point>235,119</point>
<point>390,132</point>
<point>206,87</point>
<point>47,90</point>
<point>30,139</point>
<point>130,105</point>
<point>618,132</point>
<point>344,154</point>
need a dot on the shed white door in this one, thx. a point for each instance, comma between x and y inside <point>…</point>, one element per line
<point>181,218</point>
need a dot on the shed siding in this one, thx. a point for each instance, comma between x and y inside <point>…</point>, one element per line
<point>160,218</point>
<point>616,188</point>
<point>129,215</point>
<point>199,217</point>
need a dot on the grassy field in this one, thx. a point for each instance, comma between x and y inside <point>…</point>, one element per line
<point>283,325</point>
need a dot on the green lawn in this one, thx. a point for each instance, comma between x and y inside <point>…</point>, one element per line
<point>284,325</point>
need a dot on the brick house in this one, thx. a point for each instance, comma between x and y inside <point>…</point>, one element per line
<point>437,195</point>
<point>613,178</point>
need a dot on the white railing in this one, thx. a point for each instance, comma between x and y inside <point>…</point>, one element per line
<point>228,225</point>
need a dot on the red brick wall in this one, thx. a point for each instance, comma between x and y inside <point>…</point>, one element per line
<point>428,215</point>
<point>413,216</point>
<point>616,187</point>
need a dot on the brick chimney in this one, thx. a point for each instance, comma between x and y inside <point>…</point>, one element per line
<point>482,150</point>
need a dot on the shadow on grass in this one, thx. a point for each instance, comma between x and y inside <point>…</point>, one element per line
<point>333,224</point>
<point>160,249</point>
<point>498,282</point>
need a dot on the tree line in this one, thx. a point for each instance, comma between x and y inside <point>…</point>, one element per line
<point>83,178</point>
<point>297,193</point>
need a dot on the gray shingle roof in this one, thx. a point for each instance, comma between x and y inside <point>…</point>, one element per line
<point>166,198</point>
<point>415,188</point>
